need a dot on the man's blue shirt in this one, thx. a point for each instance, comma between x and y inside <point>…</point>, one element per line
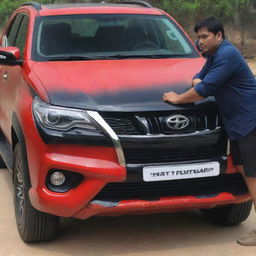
<point>227,76</point>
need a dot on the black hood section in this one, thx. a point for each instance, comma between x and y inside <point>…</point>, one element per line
<point>134,100</point>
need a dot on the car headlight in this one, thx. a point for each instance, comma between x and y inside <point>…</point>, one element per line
<point>60,118</point>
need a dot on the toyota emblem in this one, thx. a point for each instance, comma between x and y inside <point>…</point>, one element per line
<point>177,122</point>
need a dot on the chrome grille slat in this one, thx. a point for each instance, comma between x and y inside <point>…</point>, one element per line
<point>133,124</point>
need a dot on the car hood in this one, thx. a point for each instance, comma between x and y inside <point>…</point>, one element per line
<point>116,85</point>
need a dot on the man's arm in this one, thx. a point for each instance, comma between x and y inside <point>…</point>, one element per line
<point>202,73</point>
<point>186,97</point>
<point>196,81</point>
<point>222,68</point>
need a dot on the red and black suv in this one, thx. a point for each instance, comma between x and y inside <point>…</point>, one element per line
<point>83,127</point>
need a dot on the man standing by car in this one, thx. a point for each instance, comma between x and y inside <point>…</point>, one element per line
<point>227,76</point>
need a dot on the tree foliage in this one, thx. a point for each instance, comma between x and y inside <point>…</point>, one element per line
<point>187,12</point>
<point>7,7</point>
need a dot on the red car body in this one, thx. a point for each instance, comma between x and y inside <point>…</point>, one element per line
<point>103,81</point>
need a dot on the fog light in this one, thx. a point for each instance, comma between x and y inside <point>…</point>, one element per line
<point>57,178</point>
<point>61,181</point>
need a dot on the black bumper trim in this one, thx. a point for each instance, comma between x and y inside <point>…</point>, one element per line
<point>199,187</point>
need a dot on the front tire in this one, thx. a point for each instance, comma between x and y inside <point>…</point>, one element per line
<point>32,224</point>
<point>228,215</point>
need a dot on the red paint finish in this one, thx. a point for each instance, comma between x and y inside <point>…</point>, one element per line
<point>98,164</point>
<point>231,168</point>
<point>168,204</point>
<point>110,76</point>
<point>99,10</point>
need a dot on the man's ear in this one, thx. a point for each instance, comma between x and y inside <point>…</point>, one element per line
<point>219,35</point>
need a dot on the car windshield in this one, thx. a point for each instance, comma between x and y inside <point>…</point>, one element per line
<point>109,36</point>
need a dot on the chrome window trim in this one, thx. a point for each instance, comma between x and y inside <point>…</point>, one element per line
<point>4,41</point>
<point>117,144</point>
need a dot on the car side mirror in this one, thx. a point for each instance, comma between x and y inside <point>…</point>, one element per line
<point>10,56</point>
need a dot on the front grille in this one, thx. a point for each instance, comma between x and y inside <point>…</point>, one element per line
<point>155,123</point>
<point>160,155</point>
<point>142,150</point>
<point>124,126</point>
<point>231,183</point>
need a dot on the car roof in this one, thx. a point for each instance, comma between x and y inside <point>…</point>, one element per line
<point>78,5</point>
<point>102,8</point>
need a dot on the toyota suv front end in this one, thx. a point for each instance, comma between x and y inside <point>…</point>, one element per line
<point>85,131</point>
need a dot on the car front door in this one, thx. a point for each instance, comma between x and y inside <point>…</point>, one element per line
<point>12,76</point>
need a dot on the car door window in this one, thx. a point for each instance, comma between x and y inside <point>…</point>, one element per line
<point>12,31</point>
<point>21,36</point>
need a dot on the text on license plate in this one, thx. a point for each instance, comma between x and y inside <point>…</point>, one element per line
<point>183,171</point>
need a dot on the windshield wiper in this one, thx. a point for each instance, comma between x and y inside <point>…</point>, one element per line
<point>113,57</point>
<point>60,58</point>
<point>146,56</point>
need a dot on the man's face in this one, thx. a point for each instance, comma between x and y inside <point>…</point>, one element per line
<point>208,41</point>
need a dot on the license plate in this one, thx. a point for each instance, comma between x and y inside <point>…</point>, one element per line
<point>183,171</point>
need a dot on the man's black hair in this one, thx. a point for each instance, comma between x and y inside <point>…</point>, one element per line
<point>212,24</point>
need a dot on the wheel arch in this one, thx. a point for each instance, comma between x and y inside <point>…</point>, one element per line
<point>18,137</point>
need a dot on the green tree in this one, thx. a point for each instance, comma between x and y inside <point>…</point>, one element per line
<point>245,14</point>
<point>7,7</point>
<point>188,12</point>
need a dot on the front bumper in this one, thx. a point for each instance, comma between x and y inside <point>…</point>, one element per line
<point>98,165</point>
<point>168,204</point>
<point>100,169</point>
<point>101,165</point>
